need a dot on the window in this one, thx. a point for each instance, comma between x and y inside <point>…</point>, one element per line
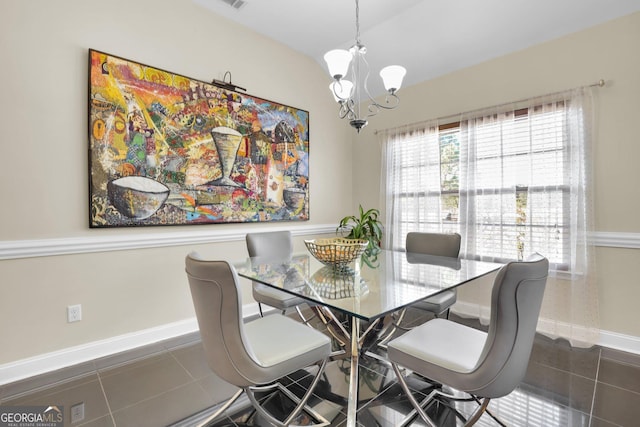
<point>512,180</point>
<point>501,180</point>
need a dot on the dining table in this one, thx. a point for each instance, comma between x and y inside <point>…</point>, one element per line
<point>369,289</point>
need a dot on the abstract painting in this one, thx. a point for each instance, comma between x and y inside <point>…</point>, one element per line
<point>165,149</point>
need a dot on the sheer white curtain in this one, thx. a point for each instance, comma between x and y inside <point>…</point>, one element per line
<point>411,174</point>
<point>523,185</point>
<point>579,290</point>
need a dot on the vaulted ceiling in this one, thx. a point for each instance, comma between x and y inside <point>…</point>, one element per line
<point>429,38</point>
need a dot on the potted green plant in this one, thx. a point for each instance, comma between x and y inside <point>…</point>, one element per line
<point>366,226</point>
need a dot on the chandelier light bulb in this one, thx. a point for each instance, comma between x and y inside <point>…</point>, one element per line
<point>338,61</point>
<point>392,77</point>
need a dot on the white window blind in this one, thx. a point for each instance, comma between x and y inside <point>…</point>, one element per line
<point>516,182</point>
<point>500,179</point>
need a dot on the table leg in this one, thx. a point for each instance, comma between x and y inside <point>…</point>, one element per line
<point>333,325</point>
<point>353,376</point>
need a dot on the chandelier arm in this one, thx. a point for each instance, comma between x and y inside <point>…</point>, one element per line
<point>351,110</point>
<point>365,84</point>
<point>347,110</point>
<point>344,110</point>
<point>373,108</point>
<point>338,95</point>
<point>391,101</point>
<point>342,113</point>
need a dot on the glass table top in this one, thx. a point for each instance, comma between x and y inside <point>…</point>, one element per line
<point>368,290</point>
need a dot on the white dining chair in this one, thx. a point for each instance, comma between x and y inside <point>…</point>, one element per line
<point>485,365</point>
<point>435,244</point>
<point>252,356</point>
<point>272,244</point>
<point>279,244</point>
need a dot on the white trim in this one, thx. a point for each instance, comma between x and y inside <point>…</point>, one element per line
<point>13,249</point>
<point>616,239</point>
<point>622,342</point>
<point>609,339</point>
<point>49,362</point>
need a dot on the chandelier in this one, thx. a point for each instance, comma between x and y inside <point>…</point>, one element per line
<point>349,93</point>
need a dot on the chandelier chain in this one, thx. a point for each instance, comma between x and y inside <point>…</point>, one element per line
<point>358,23</point>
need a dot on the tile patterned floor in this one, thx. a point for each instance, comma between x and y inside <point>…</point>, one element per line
<point>169,384</point>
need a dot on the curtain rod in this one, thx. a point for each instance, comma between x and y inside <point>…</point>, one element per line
<point>599,83</point>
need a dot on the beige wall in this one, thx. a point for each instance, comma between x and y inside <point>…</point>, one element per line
<point>44,179</point>
<point>609,51</point>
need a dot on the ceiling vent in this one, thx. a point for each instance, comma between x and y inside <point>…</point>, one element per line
<point>236,4</point>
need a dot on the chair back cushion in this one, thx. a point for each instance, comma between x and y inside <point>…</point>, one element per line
<point>218,307</point>
<point>437,244</point>
<point>270,243</point>
<point>515,306</point>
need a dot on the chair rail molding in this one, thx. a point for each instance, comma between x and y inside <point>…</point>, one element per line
<point>14,249</point>
<point>615,239</point>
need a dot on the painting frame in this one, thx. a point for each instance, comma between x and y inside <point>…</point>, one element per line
<point>166,149</point>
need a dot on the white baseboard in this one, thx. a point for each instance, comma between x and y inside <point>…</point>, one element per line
<point>49,362</point>
<point>621,342</point>
<point>614,340</point>
<point>53,361</point>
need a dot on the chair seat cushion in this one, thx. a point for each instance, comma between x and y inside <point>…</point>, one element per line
<point>284,345</point>
<point>437,303</point>
<point>438,343</point>
<point>275,298</point>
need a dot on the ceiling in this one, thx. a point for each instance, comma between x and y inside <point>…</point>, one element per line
<point>429,38</point>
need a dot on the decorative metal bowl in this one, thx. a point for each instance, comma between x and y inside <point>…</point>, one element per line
<point>336,252</point>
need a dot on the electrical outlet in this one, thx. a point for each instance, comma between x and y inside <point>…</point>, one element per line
<point>77,412</point>
<point>74,313</point>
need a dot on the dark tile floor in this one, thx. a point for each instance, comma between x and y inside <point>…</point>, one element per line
<point>169,384</point>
